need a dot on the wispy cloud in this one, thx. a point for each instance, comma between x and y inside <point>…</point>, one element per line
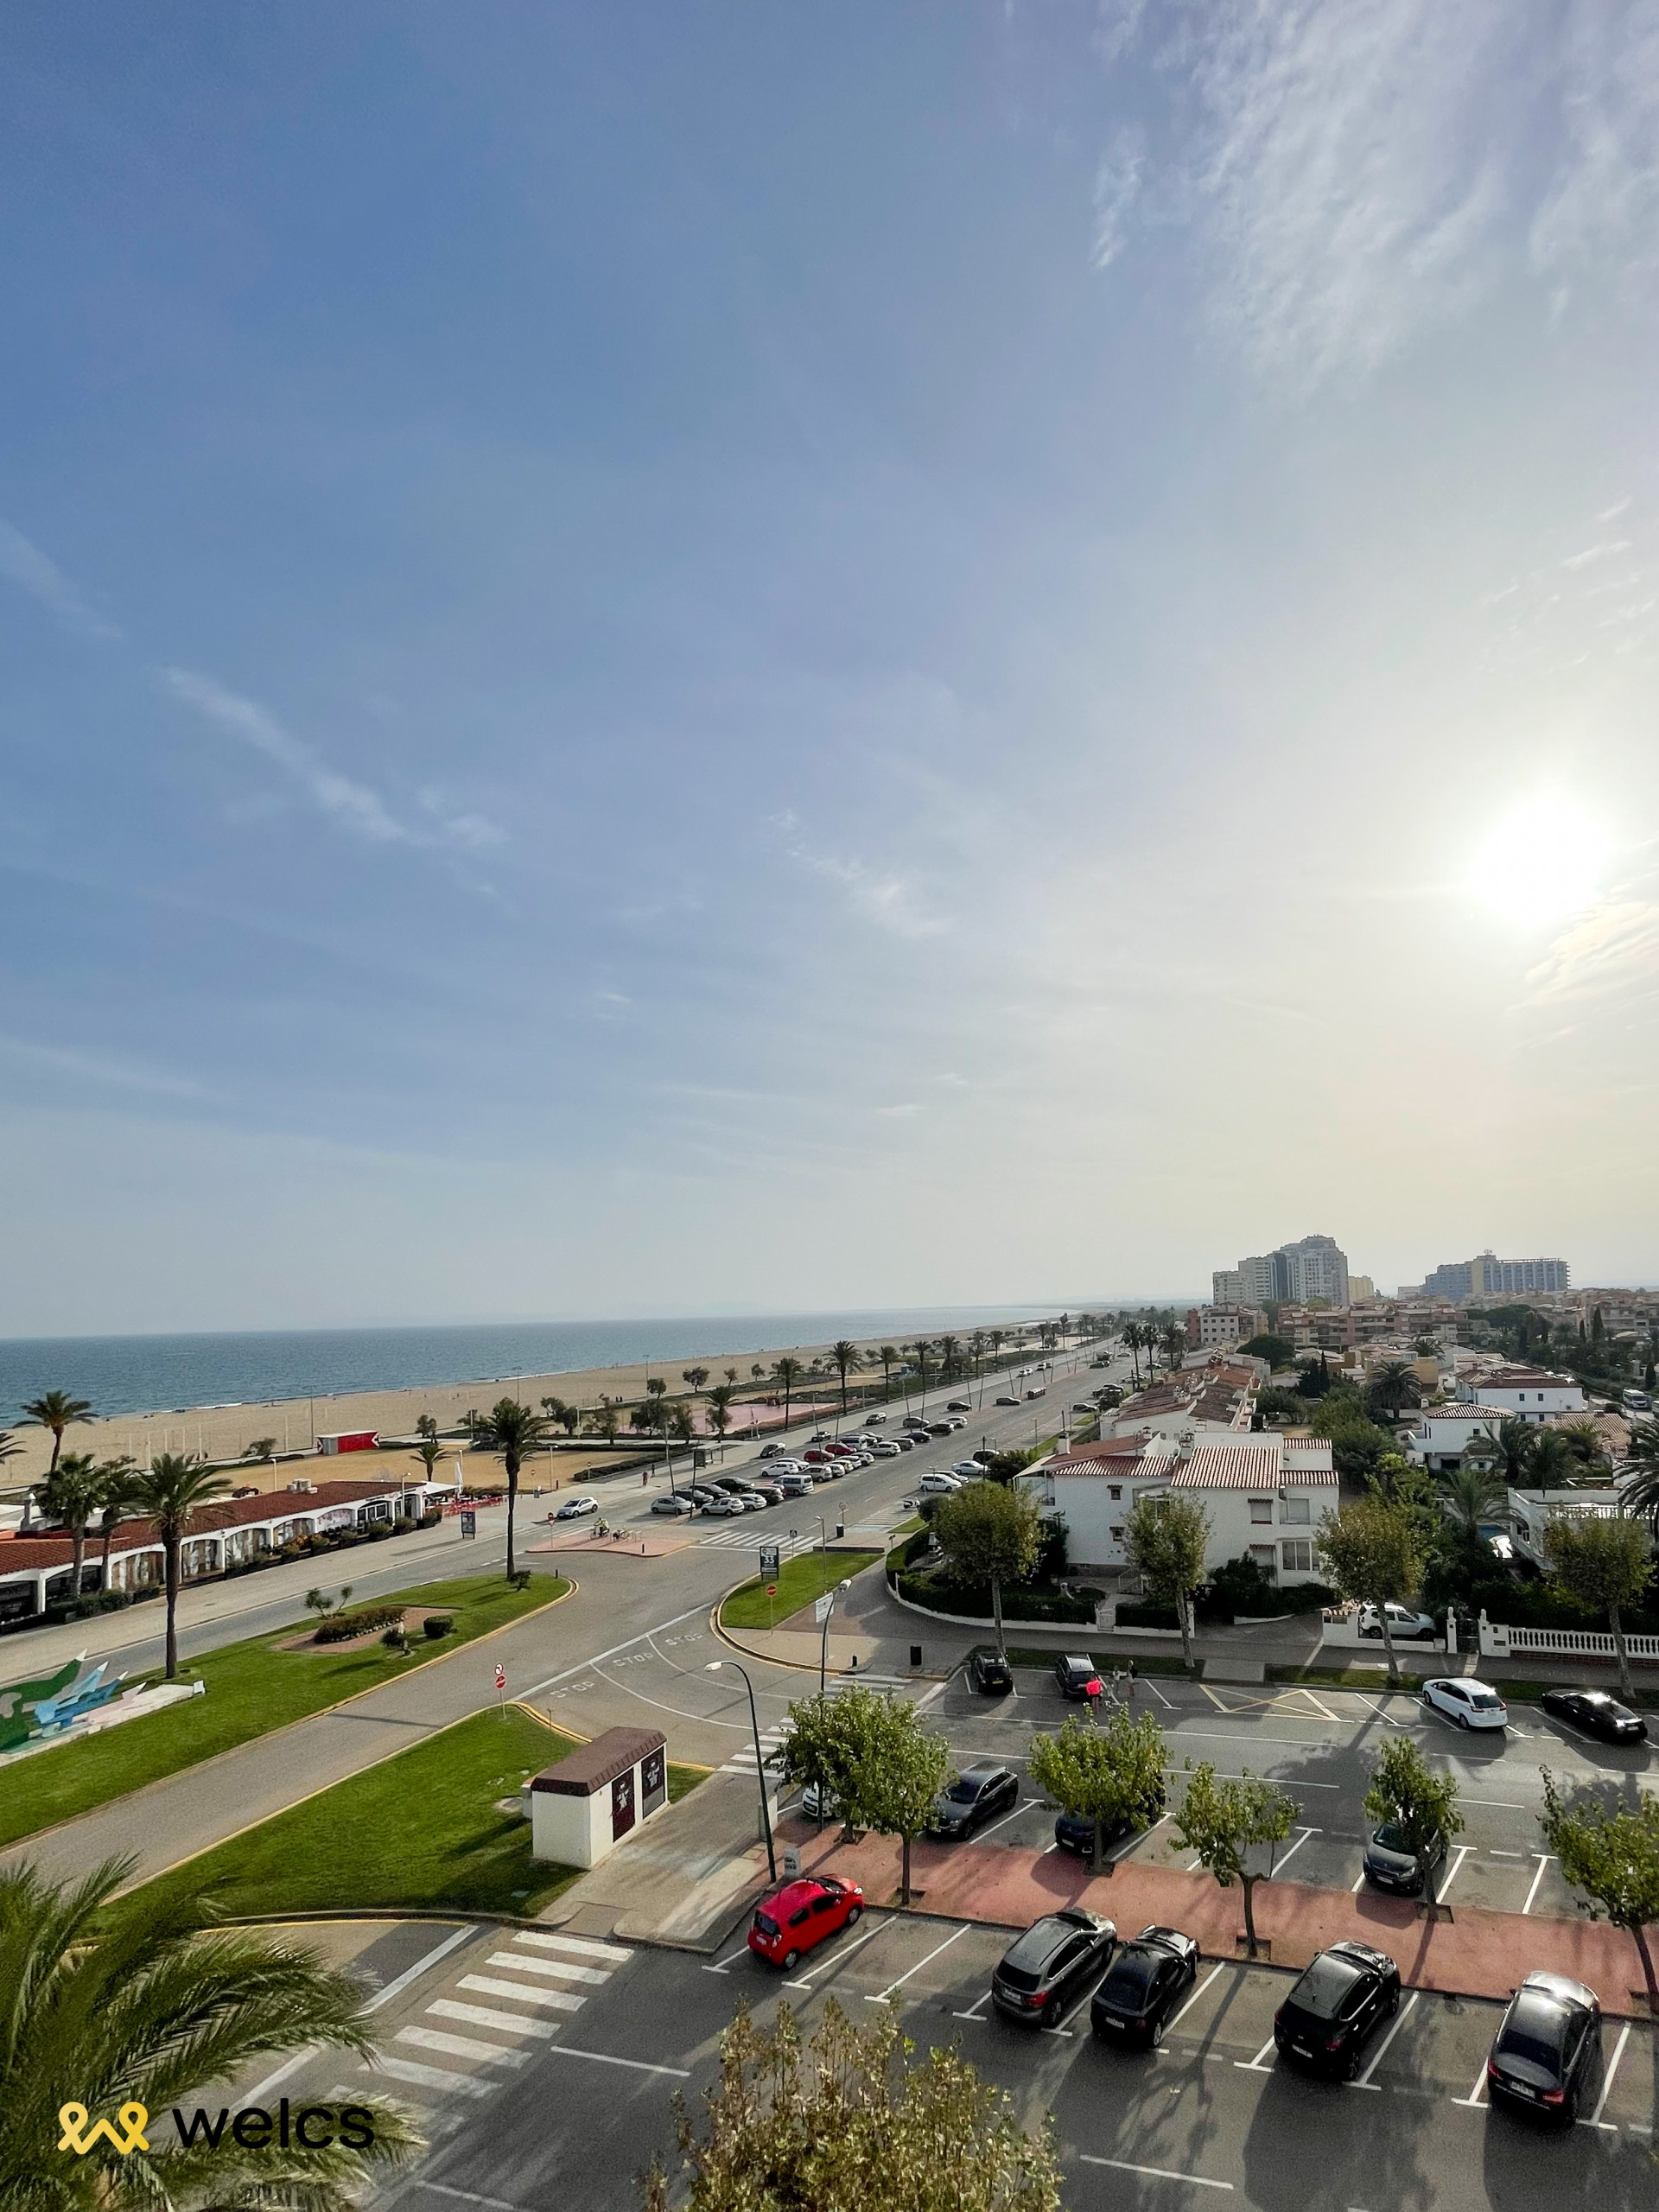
<point>889,900</point>
<point>102,1068</point>
<point>354,807</point>
<point>1611,952</point>
<point>24,564</point>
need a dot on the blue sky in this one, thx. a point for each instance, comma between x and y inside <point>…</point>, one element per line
<point>667,657</point>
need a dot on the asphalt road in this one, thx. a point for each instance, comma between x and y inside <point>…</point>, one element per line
<point>543,2068</point>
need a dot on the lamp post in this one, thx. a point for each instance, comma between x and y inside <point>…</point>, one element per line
<point>823,1647</point>
<point>712,1667</point>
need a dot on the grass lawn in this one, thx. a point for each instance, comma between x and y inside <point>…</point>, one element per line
<point>251,1688</point>
<point>418,1832</point>
<point>802,1579</point>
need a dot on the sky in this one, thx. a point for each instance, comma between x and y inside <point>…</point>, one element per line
<point>683,657</point>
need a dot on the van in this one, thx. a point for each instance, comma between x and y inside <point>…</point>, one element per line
<point>1636,1401</point>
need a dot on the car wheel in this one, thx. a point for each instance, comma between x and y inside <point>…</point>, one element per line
<point>1463,1720</point>
<point>1351,2069</point>
<point>791,1960</point>
<point>856,1913</point>
<point>1394,2000</point>
<point>1051,2013</point>
<point>1157,2034</point>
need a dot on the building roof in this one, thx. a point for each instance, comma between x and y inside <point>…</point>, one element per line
<point>596,1765</point>
<point>1256,1463</point>
<point>1513,1378</point>
<point>1127,1456</point>
<point>1464,1410</point>
<point>20,1555</point>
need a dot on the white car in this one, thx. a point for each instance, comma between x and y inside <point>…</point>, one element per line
<point>883,1447</point>
<point>785,1467</point>
<point>724,1504</point>
<point>935,1483</point>
<point>574,1508</point>
<point>1470,1703</point>
<point>1402,1622</point>
<point>970,1469</point>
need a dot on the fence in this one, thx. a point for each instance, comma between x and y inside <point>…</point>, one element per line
<point>1499,1640</point>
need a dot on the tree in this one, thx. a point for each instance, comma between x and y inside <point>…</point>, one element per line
<point>1469,1494</point>
<point>118,1496</point>
<point>1584,1441</point>
<point>1113,1776</point>
<point>568,1417</point>
<point>513,1432</point>
<point>846,1357</point>
<point>1640,1493</point>
<point>1358,1445</point>
<point>919,1351</point>
<point>1131,1336</point>
<point>1605,1561</point>
<point>1222,1820</point>
<point>1394,1388</point>
<point>171,1492</point>
<point>989,1532</point>
<point>900,1770</point>
<point>694,1378</point>
<point>1508,1447</point>
<point>1167,1537</point>
<point>1407,1794</point>
<point>427,1427</point>
<point>263,1447</point>
<point>57,1410</point>
<point>1551,1463</point>
<point>850,2120</point>
<point>1174,1344</point>
<point>786,1373</point>
<point>888,1355</point>
<point>828,1742</point>
<point>142,1999</point>
<point>1371,1550</point>
<point>429,1452</point>
<point>1613,1857</point>
<point>720,1409</point>
<point>682,1421</point>
<point>70,1496</point>
<point>606,1419</point>
<point>1278,1351</point>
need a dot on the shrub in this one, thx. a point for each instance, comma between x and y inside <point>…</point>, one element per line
<point>1021,1601</point>
<point>339,1628</point>
<point>1142,1615</point>
<point>395,1640</point>
<point>437,1624</point>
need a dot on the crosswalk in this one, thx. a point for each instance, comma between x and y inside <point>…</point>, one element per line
<point>739,1538</point>
<point>534,1974</point>
<point>743,1761</point>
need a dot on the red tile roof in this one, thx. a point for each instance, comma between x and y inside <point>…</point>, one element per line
<point>30,1555</point>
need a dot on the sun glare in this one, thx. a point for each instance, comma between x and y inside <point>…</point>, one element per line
<point>1543,862</point>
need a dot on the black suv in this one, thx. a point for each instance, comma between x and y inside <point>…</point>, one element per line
<point>977,1795</point>
<point>990,1672</point>
<point>1078,1677</point>
<point>1545,2051</point>
<point>1391,1864</point>
<point>1043,1970</point>
<point>1597,1714</point>
<point>1147,1980</point>
<point>1336,2002</point>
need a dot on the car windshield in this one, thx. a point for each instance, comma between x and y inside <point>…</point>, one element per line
<point>1535,2032</point>
<point>1024,1960</point>
<point>1325,1985</point>
<point>1390,1838</point>
<point>1485,1701</point>
<point>1128,1981</point>
<point>963,1790</point>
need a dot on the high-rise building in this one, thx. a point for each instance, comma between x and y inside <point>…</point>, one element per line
<point>1487,1276</point>
<point>1312,1268</point>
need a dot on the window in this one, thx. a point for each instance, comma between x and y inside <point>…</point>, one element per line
<point>1117,1532</point>
<point>1114,1492</point>
<point>1264,1557</point>
<point>1298,1556</point>
<point>1261,1509</point>
<point>1294,1512</point>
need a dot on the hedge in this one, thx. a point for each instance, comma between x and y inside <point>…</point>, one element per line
<point>1021,1603</point>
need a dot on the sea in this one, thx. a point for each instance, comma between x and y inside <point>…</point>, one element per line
<point>179,1374</point>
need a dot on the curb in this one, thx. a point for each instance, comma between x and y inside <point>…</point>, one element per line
<point>730,1638</point>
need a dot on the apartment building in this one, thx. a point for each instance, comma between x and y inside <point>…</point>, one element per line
<point>1487,1276</point>
<point>1527,1391</point>
<point>1224,1328</point>
<point>1311,1267</point>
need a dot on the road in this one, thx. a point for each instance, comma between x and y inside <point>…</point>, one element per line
<point>543,2066</point>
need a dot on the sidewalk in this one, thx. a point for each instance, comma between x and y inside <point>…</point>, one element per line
<point>684,1880</point>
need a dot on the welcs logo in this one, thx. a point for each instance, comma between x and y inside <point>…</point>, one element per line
<point>312,2127</point>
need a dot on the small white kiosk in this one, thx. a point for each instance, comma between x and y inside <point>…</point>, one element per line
<point>583,1808</point>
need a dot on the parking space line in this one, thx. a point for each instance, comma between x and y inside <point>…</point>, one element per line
<point>1463,1852</point>
<point>467,2196</point>
<point>1595,2119</point>
<point>886,1993</point>
<point>1475,2102</point>
<point>834,1957</point>
<point>1363,2081</point>
<point>1544,1861</point>
<point>726,1961</point>
<point>1313,1700</point>
<point>635,2065</point>
<point>1194,1998</point>
<point>1506,1855</point>
<point>1358,1882</point>
<point>978,2012</point>
<point>1254,2065</point>
<point>1280,1866</point>
<point>1168,1704</point>
<point>1379,1710</point>
<point>1024,1806</point>
<point>1156,2173</point>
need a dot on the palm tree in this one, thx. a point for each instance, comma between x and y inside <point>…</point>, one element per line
<point>919,1352</point>
<point>1639,1493</point>
<point>427,1427</point>
<point>786,1373</point>
<point>1174,1340</point>
<point>1394,1388</point>
<point>1130,1333</point>
<point>1586,1445</point>
<point>1550,1464</point>
<point>845,1355</point>
<point>949,1358</point>
<point>512,1431</point>
<point>1470,1494</point>
<point>69,1495</point>
<point>117,1498</point>
<point>144,2000</point>
<point>1509,1447</point>
<point>720,1412</point>
<point>170,1491</point>
<point>429,1452</point>
<point>888,1357</point>
<point>56,1410</point>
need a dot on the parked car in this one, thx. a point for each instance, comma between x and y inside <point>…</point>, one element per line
<point>821,1436</point>
<point>700,1493</point>
<point>978,1794</point>
<point>722,1504</point>
<point>938,1428</point>
<point>574,1509</point>
<point>1335,2003</point>
<point>1596,1713</point>
<point>988,1672</point>
<point>983,1456</point>
<point>1468,1702</point>
<point>1146,1981</point>
<point>958,1405</point>
<point>915,1420</point>
<point>1042,1971</point>
<point>1078,1676</point>
<point>672,1502</point>
<point>1085,1406</point>
<point>883,1447</point>
<point>815,1457</point>
<point>1544,2055</point>
<point>1391,1864</point>
<point>809,1804</point>
<point>1076,1832</point>
<point>905,1443</point>
<point>934,1484</point>
<point>1404,1625</point>
<point>772,1451</point>
<point>770,1492</point>
<point>799,1917</point>
<point>797,1486</point>
<point>970,1469</point>
<point>1635,1402</point>
<point>873,1420</point>
<point>1007,1401</point>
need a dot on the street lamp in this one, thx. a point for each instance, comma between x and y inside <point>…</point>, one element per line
<point>714,1667</point>
<point>823,1648</point>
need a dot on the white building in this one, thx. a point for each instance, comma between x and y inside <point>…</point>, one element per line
<point>1311,1267</point>
<point>1440,1434</point>
<point>1527,1391</point>
<point>1531,1512</point>
<point>1224,1328</point>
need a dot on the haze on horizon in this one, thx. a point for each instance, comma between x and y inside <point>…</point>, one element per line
<point>699,658</point>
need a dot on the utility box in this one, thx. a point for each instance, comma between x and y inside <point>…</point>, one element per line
<point>581,1809</point>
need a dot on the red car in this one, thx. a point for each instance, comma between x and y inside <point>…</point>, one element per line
<point>801,1915</point>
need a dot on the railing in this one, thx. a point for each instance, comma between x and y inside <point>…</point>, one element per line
<point>1499,1640</point>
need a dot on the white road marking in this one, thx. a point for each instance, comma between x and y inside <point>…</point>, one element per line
<point>1463,1852</point>
<point>582,1666</point>
<point>1194,1998</point>
<point>807,1980</point>
<point>1544,1861</point>
<point>1167,1703</point>
<point>886,1993</point>
<point>1281,1863</point>
<point>721,1967</point>
<point>460,2046</point>
<point>1595,2119</point>
<point>1496,1804</point>
<point>1472,2102</point>
<point>1024,1806</point>
<point>1358,1882</point>
<point>579,1946</point>
<point>1157,2173</point>
<point>1506,1855</point>
<point>467,2197</point>
<point>480,2016</point>
<point>1363,2081</point>
<point>1254,2065</point>
<point>555,1969</point>
<point>637,2065</point>
<point>978,2011</point>
<point>432,2077</point>
<point>558,1999</point>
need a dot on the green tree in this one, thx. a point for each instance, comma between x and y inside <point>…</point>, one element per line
<point>1358,1445</point>
<point>118,1498</point>
<point>1278,1351</point>
<point>1165,1537</point>
<point>1112,1776</point>
<point>990,1533</point>
<point>606,1419</point>
<point>919,1351</point>
<point>1584,1440</point>
<point>694,1378</point>
<point>1371,1551</point>
<point>512,1432</point>
<point>1551,1463</point>
<point>429,1452</point>
<point>142,2000</point>
<point>850,2120</point>
<point>1407,1794</point>
<point>845,1354</point>
<point>888,1355</point>
<point>1222,1821</point>
<point>1613,1857</point>
<point>1470,1494</point>
<point>70,1496</point>
<point>1508,1447</point>
<point>427,1427</point>
<point>720,1409</point>
<point>1394,1388</point>
<point>829,1743</point>
<point>263,1447</point>
<point>787,1374</point>
<point>171,1492</point>
<point>1175,1346</point>
<point>901,1770</point>
<point>57,1410</point>
<point>1641,1490</point>
<point>1606,1561</point>
<point>682,1421</point>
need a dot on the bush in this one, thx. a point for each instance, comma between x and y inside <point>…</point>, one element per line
<point>437,1624</point>
<point>395,1640</point>
<point>1023,1602</point>
<point>1140,1615</point>
<point>338,1628</point>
